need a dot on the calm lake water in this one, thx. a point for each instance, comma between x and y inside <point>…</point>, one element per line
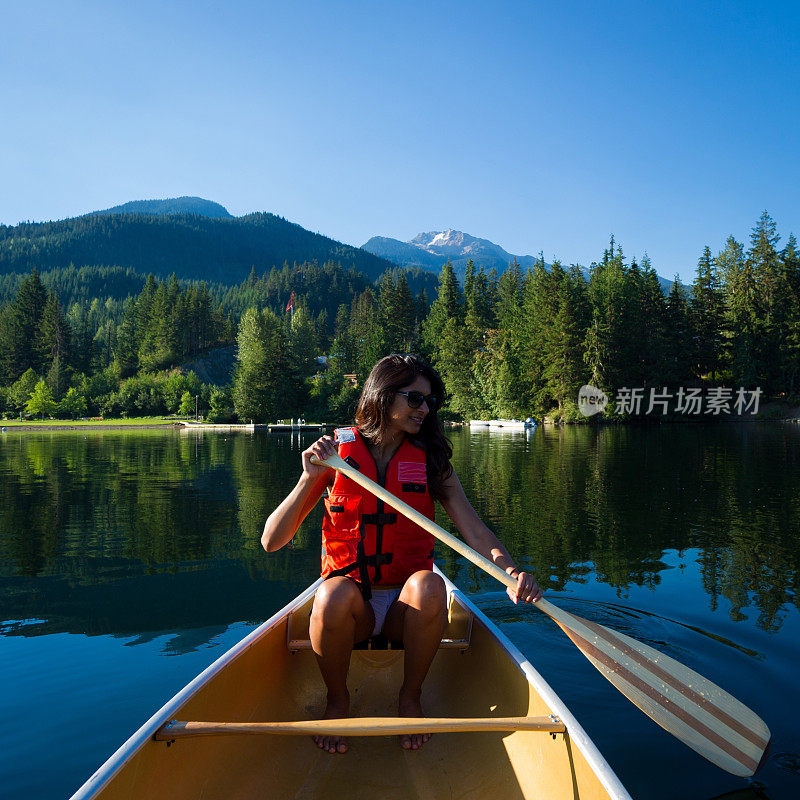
<point>129,561</point>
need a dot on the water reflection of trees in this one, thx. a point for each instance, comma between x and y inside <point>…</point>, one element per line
<point>136,531</point>
<point>82,514</point>
<point>620,497</point>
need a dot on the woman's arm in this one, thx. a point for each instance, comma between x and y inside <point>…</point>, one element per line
<point>283,522</point>
<point>480,538</point>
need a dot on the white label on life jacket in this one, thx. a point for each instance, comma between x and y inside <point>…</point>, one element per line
<point>342,435</point>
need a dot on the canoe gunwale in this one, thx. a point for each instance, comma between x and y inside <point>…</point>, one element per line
<point>109,769</point>
<point>576,733</point>
<point>578,737</point>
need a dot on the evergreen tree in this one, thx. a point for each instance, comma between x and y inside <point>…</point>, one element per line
<point>365,334</point>
<point>447,305</point>
<point>126,351</point>
<point>611,339</point>
<point>143,309</point>
<point>741,311</point>
<point>790,346</point>
<point>564,369</point>
<point>261,379</point>
<point>453,361</point>
<point>708,311</point>
<point>397,312</point>
<point>302,356</point>
<point>771,296</point>
<point>159,345</point>
<point>512,390</point>
<point>679,337</point>
<point>653,324</point>
<point>480,299</point>
<point>57,379</point>
<point>536,334</point>
<point>20,331</point>
<point>82,338</point>
<point>342,354</point>
<point>52,340</point>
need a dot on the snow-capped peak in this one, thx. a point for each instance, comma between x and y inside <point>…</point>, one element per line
<point>455,243</point>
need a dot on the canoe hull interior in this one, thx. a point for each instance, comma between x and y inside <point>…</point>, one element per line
<point>266,681</point>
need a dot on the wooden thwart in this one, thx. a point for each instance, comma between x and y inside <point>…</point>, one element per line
<point>362,726</point>
<point>684,703</point>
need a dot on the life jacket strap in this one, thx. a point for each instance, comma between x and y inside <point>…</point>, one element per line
<point>361,563</point>
<point>379,519</point>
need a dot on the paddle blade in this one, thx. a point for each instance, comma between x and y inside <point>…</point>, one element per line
<point>684,703</point>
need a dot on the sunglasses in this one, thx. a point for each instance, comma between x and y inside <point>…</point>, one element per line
<point>415,399</point>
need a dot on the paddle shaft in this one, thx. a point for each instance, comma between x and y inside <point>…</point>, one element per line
<point>687,705</point>
<point>340,465</point>
<point>363,726</point>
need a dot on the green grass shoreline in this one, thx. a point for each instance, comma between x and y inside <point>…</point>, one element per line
<point>89,424</point>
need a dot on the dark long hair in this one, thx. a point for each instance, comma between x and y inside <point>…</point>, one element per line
<point>390,374</point>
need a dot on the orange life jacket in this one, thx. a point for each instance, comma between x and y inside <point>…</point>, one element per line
<point>361,537</point>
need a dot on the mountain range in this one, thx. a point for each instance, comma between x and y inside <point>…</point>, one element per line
<point>194,238</point>
<point>431,250</point>
<point>199,239</point>
<point>172,205</point>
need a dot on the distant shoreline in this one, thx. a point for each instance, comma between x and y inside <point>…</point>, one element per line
<point>112,425</point>
<point>62,428</point>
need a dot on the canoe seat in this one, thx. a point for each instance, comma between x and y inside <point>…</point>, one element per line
<point>456,633</point>
<point>380,642</point>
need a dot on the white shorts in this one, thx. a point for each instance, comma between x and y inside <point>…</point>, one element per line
<point>380,601</point>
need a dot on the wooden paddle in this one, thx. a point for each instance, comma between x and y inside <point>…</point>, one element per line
<point>684,703</point>
<point>363,726</point>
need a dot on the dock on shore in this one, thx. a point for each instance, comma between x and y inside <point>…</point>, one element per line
<point>251,427</point>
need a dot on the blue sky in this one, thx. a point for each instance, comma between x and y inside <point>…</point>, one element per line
<point>540,126</point>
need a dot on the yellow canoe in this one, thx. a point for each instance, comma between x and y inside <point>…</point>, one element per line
<point>272,676</point>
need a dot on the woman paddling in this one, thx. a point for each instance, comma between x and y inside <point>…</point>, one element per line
<point>377,564</point>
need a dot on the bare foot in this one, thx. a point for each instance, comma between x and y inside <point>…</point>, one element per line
<point>336,709</point>
<point>409,705</point>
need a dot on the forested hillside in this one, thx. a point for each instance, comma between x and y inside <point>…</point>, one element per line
<point>190,246</point>
<point>516,345</point>
<point>170,205</point>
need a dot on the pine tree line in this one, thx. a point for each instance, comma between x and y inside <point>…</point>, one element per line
<point>515,345</point>
<point>525,343</point>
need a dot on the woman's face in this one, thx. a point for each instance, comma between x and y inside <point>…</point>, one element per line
<point>403,418</point>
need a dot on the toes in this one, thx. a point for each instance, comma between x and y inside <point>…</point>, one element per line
<point>405,742</point>
<point>332,744</point>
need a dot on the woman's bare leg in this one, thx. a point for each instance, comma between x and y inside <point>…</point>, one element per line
<point>418,617</point>
<point>340,618</point>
